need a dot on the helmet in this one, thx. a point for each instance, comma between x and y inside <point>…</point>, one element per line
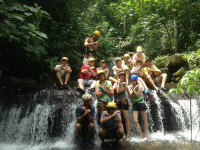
<point>97,33</point>
<point>91,59</point>
<point>86,97</point>
<point>134,77</point>
<point>139,48</point>
<point>112,105</point>
<point>126,55</point>
<point>100,71</point>
<point>102,62</point>
<point>139,60</point>
<point>116,59</point>
<point>121,73</point>
<point>64,58</point>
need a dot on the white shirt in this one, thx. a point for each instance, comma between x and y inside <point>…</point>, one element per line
<point>117,70</point>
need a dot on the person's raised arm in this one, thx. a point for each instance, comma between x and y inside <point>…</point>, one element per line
<point>57,68</point>
<point>97,92</point>
<point>87,44</point>
<point>68,69</point>
<point>95,45</point>
<point>109,90</point>
<point>121,87</point>
<point>80,117</point>
<point>90,116</point>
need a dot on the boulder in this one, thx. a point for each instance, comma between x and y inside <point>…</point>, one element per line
<point>161,62</point>
<point>180,73</point>
<point>176,62</point>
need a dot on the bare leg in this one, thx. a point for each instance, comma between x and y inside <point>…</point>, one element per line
<point>80,84</point>
<point>144,118</point>
<point>58,75</point>
<point>78,130</point>
<point>113,80</point>
<point>127,77</point>
<point>119,133</point>
<point>142,83</point>
<point>93,84</point>
<point>164,79</point>
<point>90,130</point>
<point>102,134</point>
<point>135,120</point>
<point>125,114</point>
<point>67,75</point>
<point>149,79</point>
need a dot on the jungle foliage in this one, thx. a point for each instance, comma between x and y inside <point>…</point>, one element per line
<point>34,35</point>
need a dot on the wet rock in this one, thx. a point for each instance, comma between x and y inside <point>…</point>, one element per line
<point>13,80</point>
<point>180,73</point>
<point>27,81</point>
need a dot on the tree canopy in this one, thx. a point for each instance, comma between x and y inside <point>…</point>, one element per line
<point>34,35</point>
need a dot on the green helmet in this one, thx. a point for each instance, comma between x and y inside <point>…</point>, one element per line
<point>86,97</point>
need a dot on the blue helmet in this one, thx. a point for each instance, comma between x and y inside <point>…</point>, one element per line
<point>134,77</point>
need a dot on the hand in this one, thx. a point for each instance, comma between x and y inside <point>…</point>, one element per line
<point>87,111</point>
<point>115,113</point>
<point>123,83</point>
<point>88,67</point>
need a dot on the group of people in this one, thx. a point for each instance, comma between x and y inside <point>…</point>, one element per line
<point>130,78</point>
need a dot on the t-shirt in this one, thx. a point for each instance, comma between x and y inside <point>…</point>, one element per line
<point>87,75</point>
<point>152,73</point>
<point>111,124</point>
<point>62,72</point>
<point>116,70</point>
<point>80,112</point>
<point>142,57</point>
<point>104,97</point>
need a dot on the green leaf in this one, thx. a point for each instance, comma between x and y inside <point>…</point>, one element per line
<point>28,14</point>
<point>170,91</point>
<point>41,34</point>
<point>190,89</point>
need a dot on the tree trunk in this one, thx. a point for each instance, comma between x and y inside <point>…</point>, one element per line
<point>175,27</point>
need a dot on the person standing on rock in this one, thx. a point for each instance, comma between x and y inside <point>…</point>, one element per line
<point>153,76</point>
<point>138,105</point>
<point>91,45</point>
<point>85,119</point>
<point>63,73</point>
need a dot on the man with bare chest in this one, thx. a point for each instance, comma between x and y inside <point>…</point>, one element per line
<point>91,45</point>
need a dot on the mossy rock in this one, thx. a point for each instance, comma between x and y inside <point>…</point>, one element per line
<point>180,73</point>
<point>27,81</point>
<point>176,61</point>
<point>161,62</point>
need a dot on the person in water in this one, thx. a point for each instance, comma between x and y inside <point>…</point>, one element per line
<point>153,76</point>
<point>91,45</point>
<point>85,119</point>
<point>103,67</point>
<point>122,101</point>
<point>119,68</point>
<point>63,73</point>
<point>111,124</point>
<point>88,72</point>
<point>138,105</point>
<point>103,91</point>
<point>139,55</point>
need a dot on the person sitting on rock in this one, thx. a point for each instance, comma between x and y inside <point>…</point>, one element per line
<point>111,124</point>
<point>103,67</point>
<point>119,68</point>
<point>139,55</point>
<point>85,119</point>
<point>138,105</point>
<point>139,71</point>
<point>153,76</point>
<point>63,73</point>
<point>91,45</point>
<point>88,72</point>
<point>127,61</point>
<point>103,91</point>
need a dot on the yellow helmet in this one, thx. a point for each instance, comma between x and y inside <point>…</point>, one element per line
<point>91,59</point>
<point>112,105</point>
<point>64,58</point>
<point>102,62</point>
<point>139,48</point>
<point>126,55</point>
<point>116,59</point>
<point>97,33</point>
<point>86,97</point>
<point>100,71</point>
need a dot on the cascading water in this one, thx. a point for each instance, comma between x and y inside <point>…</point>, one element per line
<point>45,119</point>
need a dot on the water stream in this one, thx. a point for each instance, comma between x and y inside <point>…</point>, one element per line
<point>32,119</point>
